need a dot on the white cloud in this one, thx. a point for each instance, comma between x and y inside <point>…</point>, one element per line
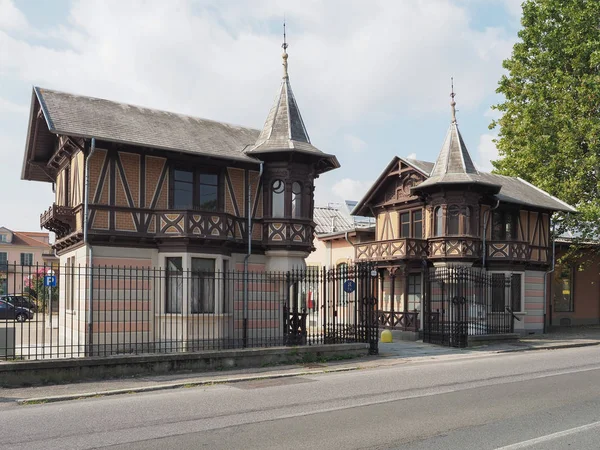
<point>222,61</point>
<point>486,152</point>
<point>354,143</point>
<point>6,106</point>
<point>493,114</point>
<point>348,189</point>
<point>11,18</point>
<point>514,7</point>
<point>350,61</point>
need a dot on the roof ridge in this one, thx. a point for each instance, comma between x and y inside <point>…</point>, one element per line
<point>131,105</point>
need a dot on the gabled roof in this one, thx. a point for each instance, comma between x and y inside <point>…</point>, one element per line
<point>421,166</point>
<point>87,117</point>
<point>284,129</point>
<point>22,239</point>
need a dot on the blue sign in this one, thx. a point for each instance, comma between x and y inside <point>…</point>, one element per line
<point>50,281</point>
<point>349,286</point>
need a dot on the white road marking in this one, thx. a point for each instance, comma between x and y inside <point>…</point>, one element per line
<point>550,437</point>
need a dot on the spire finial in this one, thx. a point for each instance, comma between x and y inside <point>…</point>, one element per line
<point>285,55</point>
<point>452,102</point>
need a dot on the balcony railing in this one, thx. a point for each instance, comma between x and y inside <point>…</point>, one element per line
<point>406,248</point>
<point>288,232</point>
<point>454,247</point>
<point>500,250</point>
<point>201,224</point>
<point>58,219</point>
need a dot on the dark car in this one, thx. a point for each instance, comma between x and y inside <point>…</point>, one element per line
<point>11,312</point>
<point>20,301</point>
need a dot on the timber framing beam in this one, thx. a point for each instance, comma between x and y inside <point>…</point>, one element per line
<point>67,146</point>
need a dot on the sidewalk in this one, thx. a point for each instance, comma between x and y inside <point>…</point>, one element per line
<point>400,352</point>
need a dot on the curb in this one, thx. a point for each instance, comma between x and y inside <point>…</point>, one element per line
<point>179,385</point>
<point>550,347</point>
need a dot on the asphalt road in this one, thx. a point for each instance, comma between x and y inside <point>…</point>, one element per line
<point>531,400</point>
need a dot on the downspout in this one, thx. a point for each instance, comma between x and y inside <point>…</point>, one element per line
<point>485,222</point>
<point>247,257</point>
<point>90,303</point>
<point>548,272</point>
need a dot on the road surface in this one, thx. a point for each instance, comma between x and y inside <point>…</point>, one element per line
<point>530,400</point>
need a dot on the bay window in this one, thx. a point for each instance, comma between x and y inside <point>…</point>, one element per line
<point>296,199</point>
<point>198,284</point>
<point>278,198</point>
<point>438,226</point>
<point>203,286</point>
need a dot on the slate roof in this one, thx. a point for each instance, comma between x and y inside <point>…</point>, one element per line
<point>454,164</point>
<point>87,117</point>
<point>284,128</point>
<point>517,190</point>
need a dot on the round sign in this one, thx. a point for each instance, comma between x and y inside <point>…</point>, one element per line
<point>349,286</point>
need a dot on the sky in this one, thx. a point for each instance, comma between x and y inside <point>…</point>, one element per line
<point>371,77</point>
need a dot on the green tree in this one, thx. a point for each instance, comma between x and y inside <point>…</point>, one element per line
<point>549,129</point>
<point>34,286</point>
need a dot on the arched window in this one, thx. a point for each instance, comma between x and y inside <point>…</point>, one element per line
<point>468,220</point>
<point>278,198</point>
<point>438,221</point>
<point>296,199</point>
<point>453,219</point>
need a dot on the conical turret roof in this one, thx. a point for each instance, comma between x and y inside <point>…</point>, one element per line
<point>454,164</point>
<point>284,129</point>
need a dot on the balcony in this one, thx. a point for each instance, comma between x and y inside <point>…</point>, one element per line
<point>503,250</point>
<point>394,249</point>
<point>454,247</point>
<point>200,224</point>
<point>58,219</point>
<point>288,233</point>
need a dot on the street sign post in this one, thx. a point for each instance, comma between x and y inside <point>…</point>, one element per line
<point>50,281</point>
<point>349,286</point>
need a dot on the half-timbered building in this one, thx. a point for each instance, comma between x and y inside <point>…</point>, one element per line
<point>142,188</point>
<point>450,214</point>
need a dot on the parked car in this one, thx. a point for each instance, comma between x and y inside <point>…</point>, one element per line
<point>11,312</point>
<point>20,301</point>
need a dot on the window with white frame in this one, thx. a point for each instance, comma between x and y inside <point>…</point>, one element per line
<point>174,284</point>
<point>198,284</point>
<point>203,286</point>
<point>27,259</point>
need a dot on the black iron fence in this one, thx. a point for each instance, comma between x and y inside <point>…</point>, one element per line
<point>462,301</point>
<point>77,311</point>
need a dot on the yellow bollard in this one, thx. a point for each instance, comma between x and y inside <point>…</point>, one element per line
<point>386,336</point>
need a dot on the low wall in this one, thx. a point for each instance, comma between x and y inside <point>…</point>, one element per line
<point>29,373</point>
<point>486,339</point>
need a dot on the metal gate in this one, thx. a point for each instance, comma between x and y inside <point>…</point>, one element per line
<point>462,301</point>
<point>331,306</point>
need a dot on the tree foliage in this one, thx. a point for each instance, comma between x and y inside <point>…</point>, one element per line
<point>549,130</point>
